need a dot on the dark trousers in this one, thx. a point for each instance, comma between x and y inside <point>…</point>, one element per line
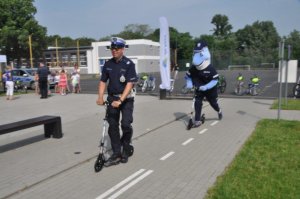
<point>211,96</point>
<point>126,110</point>
<point>43,84</point>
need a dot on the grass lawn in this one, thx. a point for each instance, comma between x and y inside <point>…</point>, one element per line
<point>292,104</point>
<point>268,165</point>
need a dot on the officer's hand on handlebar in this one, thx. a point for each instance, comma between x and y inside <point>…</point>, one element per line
<point>116,104</point>
<point>100,101</point>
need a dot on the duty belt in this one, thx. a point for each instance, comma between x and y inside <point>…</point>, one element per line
<point>130,95</point>
<point>119,95</point>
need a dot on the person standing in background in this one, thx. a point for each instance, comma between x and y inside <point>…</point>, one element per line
<point>63,81</point>
<point>43,73</point>
<point>77,71</point>
<point>9,83</point>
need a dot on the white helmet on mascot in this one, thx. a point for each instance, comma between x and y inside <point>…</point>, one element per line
<point>201,57</point>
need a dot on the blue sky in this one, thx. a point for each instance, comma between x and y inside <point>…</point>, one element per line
<point>100,18</point>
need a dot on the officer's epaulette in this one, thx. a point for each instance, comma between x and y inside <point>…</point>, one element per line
<point>126,60</point>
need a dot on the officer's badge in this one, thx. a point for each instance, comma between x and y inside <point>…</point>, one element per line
<point>122,79</point>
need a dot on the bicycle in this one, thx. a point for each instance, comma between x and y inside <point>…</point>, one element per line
<point>19,86</point>
<point>147,82</point>
<point>254,87</point>
<point>188,86</point>
<point>296,89</point>
<point>239,89</point>
<point>172,81</point>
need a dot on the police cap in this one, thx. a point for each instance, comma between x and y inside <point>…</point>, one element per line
<point>200,45</point>
<point>117,42</point>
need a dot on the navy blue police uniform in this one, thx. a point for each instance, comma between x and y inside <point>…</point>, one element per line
<point>43,73</point>
<point>117,74</point>
<point>200,78</point>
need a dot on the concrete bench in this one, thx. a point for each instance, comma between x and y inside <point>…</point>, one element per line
<point>52,126</point>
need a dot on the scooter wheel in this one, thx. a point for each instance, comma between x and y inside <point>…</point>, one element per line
<point>99,163</point>
<point>203,118</point>
<point>131,150</point>
<point>190,124</point>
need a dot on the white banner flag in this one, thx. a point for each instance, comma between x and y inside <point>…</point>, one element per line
<point>164,40</point>
<point>3,59</point>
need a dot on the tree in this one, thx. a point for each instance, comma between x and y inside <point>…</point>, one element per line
<point>61,41</point>
<point>182,42</point>
<point>85,41</point>
<point>17,22</point>
<point>293,39</point>
<point>223,28</point>
<point>258,43</point>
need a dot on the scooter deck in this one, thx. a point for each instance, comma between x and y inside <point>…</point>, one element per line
<point>190,124</point>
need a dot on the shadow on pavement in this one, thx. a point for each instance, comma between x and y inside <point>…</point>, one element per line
<point>18,144</point>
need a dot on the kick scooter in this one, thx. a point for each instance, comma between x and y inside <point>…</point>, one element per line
<point>101,157</point>
<point>190,123</point>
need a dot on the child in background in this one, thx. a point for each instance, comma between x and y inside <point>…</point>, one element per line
<point>75,82</point>
<point>77,70</point>
<point>9,83</point>
<point>63,82</point>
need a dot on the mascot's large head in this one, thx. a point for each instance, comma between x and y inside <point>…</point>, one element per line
<point>201,57</point>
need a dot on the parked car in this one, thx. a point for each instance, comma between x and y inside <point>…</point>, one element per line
<point>26,76</point>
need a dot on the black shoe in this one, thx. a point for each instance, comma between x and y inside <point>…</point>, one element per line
<point>220,115</point>
<point>190,124</point>
<point>113,160</point>
<point>124,158</point>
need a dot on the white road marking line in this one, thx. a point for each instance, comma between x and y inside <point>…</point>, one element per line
<point>167,155</point>
<point>188,141</point>
<point>203,131</point>
<point>214,123</point>
<point>120,184</point>
<point>130,184</point>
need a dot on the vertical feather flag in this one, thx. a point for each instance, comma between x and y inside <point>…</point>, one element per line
<point>164,40</point>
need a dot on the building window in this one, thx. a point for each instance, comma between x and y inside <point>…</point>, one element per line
<point>83,59</point>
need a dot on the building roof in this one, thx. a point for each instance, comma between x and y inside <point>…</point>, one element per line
<point>50,49</point>
<point>129,42</point>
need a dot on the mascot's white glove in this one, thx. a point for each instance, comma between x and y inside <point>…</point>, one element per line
<point>208,86</point>
<point>202,88</point>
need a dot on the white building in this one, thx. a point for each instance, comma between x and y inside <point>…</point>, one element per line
<point>144,53</point>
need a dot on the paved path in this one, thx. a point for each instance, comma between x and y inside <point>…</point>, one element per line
<point>169,162</point>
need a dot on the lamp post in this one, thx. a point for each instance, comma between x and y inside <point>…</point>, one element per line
<point>30,50</point>
<point>57,60</point>
<point>281,57</point>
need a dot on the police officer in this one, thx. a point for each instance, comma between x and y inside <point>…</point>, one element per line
<point>205,79</point>
<point>121,74</point>
<point>43,73</point>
